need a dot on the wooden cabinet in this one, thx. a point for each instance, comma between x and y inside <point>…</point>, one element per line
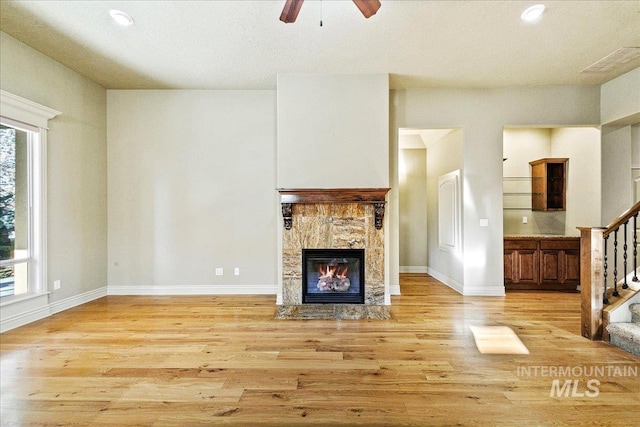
<point>542,263</point>
<point>521,262</point>
<point>548,184</point>
<point>560,262</point>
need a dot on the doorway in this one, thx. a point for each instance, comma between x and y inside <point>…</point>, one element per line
<point>424,157</point>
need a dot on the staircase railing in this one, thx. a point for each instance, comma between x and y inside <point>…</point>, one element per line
<point>596,277</point>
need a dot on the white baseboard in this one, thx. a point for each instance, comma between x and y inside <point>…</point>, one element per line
<point>485,291</point>
<point>458,287</point>
<point>488,291</point>
<point>47,310</point>
<point>193,290</point>
<point>24,318</point>
<point>394,290</point>
<point>412,269</point>
<point>74,301</point>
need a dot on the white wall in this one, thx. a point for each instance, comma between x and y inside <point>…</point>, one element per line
<point>617,189</point>
<point>76,168</point>
<point>620,113</point>
<point>443,157</point>
<point>582,146</point>
<point>523,145</point>
<point>620,98</point>
<point>192,187</point>
<point>482,114</point>
<point>635,161</point>
<point>413,210</point>
<point>333,131</point>
<point>635,146</point>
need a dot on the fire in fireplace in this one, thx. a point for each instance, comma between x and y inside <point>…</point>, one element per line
<point>333,276</point>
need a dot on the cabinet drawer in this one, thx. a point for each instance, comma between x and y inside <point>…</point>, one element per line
<point>560,244</point>
<point>520,244</point>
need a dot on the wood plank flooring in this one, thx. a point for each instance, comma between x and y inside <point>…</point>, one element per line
<point>192,361</point>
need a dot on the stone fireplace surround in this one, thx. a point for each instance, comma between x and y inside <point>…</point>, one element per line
<point>333,219</point>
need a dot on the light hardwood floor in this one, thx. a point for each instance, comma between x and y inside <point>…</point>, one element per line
<point>183,361</point>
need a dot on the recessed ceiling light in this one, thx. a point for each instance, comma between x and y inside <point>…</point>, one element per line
<point>532,13</point>
<point>121,18</point>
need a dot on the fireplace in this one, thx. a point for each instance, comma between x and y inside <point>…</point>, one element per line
<point>326,231</point>
<point>333,276</point>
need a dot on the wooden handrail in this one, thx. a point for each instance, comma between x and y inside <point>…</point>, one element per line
<point>628,214</point>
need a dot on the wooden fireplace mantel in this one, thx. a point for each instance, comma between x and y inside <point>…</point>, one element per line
<point>375,196</point>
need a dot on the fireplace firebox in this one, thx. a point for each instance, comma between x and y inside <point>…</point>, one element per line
<point>333,276</point>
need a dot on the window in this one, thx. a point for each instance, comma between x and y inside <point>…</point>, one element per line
<point>23,127</point>
<point>15,218</point>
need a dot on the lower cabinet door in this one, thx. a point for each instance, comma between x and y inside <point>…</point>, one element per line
<point>527,265</point>
<point>559,269</point>
<point>550,270</point>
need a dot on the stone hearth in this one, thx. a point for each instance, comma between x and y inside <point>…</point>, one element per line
<point>333,219</point>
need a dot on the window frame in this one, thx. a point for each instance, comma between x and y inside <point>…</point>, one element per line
<point>29,116</point>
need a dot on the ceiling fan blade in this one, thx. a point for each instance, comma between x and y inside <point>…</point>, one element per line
<point>290,11</point>
<point>368,7</point>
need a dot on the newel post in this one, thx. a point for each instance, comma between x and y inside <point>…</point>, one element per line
<point>591,281</point>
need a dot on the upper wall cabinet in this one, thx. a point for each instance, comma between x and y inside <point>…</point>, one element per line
<point>548,184</point>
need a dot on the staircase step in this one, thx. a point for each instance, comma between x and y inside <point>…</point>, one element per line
<point>626,336</point>
<point>635,313</point>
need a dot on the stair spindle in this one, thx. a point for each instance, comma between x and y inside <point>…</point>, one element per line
<point>624,257</point>
<point>605,301</point>
<point>615,263</point>
<point>635,248</point>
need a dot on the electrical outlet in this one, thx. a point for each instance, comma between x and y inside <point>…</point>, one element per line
<point>56,285</point>
<point>236,271</point>
<point>219,271</point>
<point>525,219</point>
<point>484,222</point>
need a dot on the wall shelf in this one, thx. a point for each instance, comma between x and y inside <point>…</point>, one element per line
<point>516,191</point>
<point>520,178</point>
<point>549,190</point>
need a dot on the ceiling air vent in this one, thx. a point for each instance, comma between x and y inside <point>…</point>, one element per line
<point>614,60</point>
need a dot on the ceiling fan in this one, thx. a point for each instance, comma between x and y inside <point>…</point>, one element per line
<point>292,7</point>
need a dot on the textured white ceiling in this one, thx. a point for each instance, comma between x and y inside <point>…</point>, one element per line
<point>242,44</point>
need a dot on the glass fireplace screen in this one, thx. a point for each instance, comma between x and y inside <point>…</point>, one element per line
<point>333,276</point>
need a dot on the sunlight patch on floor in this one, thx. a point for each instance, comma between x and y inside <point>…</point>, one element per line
<point>497,340</point>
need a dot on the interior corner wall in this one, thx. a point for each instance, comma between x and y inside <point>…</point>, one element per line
<point>76,166</point>
<point>482,114</point>
<point>333,131</point>
<point>192,188</point>
<point>443,157</point>
<point>413,214</point>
